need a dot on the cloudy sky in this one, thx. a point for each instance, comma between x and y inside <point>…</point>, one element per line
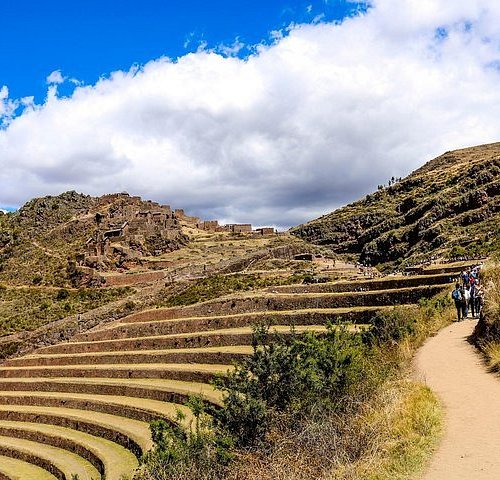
<point>263,112</point>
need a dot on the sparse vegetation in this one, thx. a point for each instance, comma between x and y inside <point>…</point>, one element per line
<point>181,454</point>
<point>487,332</point>
<point>337,405</point>
<point>492,352</point>
<point>27,308</point>
<point>219,285</point>
<point>445,208</point>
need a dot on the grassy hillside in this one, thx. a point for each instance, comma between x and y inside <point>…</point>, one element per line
<point>36,241</point>
<point>40,242</point>
<point>26,308</point>
<point>449,207</point>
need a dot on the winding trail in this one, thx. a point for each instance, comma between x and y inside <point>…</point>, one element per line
<point>452,368</point>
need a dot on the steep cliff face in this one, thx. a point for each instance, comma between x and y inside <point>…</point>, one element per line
<point>450,207</point>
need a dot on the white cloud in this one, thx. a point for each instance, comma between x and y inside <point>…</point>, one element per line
<point>55,77</point>
<point>7,106</point>
<point>318,118</point>
<point>231,50</point>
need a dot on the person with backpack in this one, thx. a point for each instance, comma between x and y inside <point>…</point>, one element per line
<point>457,297</point>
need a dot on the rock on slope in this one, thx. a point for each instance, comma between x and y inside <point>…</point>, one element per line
<point>450,206</point>
<point>40,241</point>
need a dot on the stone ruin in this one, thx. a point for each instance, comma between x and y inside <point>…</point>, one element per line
<point>127,228</point>
<point>246,228</point>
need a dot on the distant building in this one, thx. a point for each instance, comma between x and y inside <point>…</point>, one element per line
<point>240,227</point>
<point>266,230</point>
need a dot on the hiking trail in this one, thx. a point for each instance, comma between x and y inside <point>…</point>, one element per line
<point>455,371</point>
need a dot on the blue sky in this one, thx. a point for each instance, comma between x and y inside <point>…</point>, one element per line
<point>88,39</point>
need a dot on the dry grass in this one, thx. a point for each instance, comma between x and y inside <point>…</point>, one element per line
<point>66,462</point>
<point>386,429</point>
<point>19,470</point>
<point>27,308</point>
<point>492,352</point>
<point>389,438</point>
<point>117,460</point>
<point>487,332</point>
<point>491,282</point>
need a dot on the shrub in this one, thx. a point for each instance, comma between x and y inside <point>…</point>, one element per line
<point>390,327</point>
<point>457,251</point>
<point>487,331</point>
<point>295,374</point>
<point>129,305</point>
<point>307,404</point>
<point>200,451</point>
<point>62,294</point>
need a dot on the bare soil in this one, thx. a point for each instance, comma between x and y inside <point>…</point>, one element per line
<point>454,370</point>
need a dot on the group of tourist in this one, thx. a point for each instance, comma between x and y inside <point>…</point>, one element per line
<point>468,294</point>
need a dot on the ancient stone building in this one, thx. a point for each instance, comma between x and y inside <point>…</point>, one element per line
<point>266,231</point>
<point>127,228</point>
<point>240,227</point>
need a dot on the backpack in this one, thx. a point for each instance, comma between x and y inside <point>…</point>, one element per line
<point>456,295</point>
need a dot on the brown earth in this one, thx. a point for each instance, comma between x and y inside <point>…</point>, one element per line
<point>454,370</point>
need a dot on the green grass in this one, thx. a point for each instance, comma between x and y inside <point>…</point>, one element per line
<point>19,470</point>
<point>27,308</point>
<point>118,461</point>
<point>219,285</point>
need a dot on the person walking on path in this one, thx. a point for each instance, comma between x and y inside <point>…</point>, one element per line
<point>458,298</point>
<point>466,301</point>
<point>472,302</point>
<point>479,299</point>
<point>464,277</point>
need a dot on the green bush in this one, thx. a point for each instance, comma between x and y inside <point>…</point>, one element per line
<point>390,327</point>
<point>62,294</point>
<point>200,451</point>
<point>295,374</point>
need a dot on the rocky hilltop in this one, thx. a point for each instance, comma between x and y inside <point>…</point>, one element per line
<point>449,207</point>
<point>59,239</point>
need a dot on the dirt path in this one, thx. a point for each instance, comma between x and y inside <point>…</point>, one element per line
<point>47,251</point>
<point>451,367</point>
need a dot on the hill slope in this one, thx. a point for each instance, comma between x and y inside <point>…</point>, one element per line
<point>40,241</point>
<point>450,203</point>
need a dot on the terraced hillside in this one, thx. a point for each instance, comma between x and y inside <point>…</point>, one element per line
<point>83,406</point>
<point>450,207</point>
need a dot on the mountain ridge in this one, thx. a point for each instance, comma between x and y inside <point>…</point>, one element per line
<point>422,215</point>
